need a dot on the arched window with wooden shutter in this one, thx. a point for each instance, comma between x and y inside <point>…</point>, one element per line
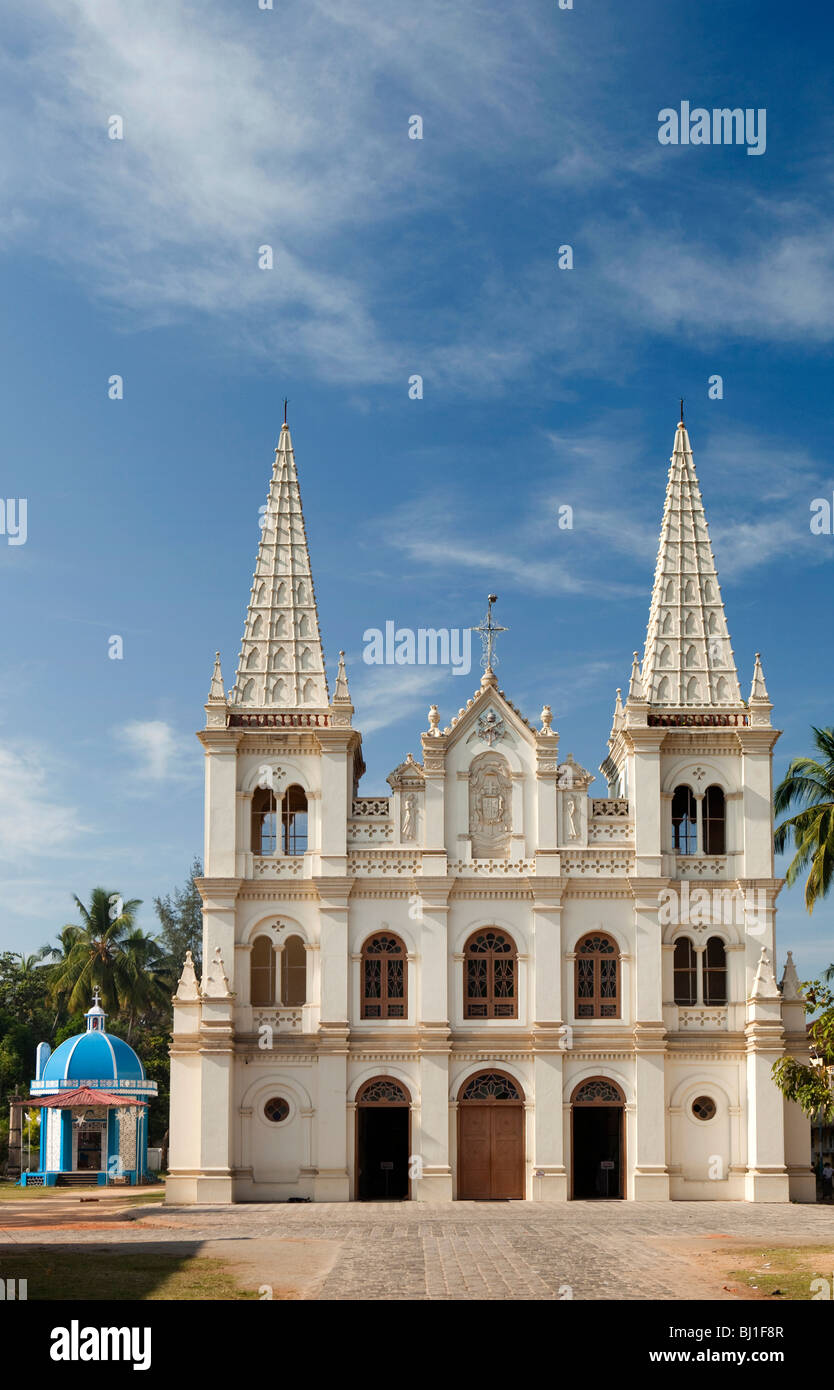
<point>384,977</point>
<point>597,977</point>
<point>490,975</point>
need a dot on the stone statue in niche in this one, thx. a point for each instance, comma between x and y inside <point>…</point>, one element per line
<point>572,830</point>
<point>490,806</point>
<point>409,816</point>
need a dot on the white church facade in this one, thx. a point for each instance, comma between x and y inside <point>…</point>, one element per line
<point>488,983</point>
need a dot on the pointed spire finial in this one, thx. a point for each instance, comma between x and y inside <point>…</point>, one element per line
<point>188,986</point>
<point>758,690</point>
<point>790,981</point>
<point>215,979</point>
<point>635,685</point>
<point>216,694</point>
<point>681,409</point>
<point>764,985</point>
<point>286,403</point>
<point>759,701</point>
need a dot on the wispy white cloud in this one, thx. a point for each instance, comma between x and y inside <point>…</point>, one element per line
<point>384,695</point>
<point>160,754</point>
<point>34,819</point>
<point>290,128</point>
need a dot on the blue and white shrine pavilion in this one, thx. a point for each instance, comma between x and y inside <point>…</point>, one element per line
<point>93,1095</point>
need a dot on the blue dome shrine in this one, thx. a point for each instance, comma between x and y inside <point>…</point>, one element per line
<point>94,1095</point>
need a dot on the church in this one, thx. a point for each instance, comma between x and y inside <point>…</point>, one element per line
<point>488,983</point>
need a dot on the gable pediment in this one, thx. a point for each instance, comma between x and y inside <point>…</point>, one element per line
<point>489,720</point>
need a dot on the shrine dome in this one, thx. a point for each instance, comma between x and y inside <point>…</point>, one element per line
<point>93,1058</point>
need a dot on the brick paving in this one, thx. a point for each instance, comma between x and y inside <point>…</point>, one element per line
<point>463,1250</point>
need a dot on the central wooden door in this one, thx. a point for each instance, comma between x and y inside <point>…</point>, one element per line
<point>490,1139</point>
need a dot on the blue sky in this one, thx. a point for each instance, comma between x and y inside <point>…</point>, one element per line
<point>393,257</point>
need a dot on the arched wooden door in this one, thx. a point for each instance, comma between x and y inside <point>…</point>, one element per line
<point>598,1140</point>
<point>383,1135</point>
<point>490,1139</point>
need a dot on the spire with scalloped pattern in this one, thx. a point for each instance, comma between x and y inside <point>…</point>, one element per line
<point>688,662</point>
<point>281,663</point>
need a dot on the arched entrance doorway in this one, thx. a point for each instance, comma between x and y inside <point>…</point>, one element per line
<point>598,1139</point>
<point>490,1138</point>
<point>383,1133</point>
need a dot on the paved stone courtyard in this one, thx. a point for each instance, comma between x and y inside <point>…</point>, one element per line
<point>466,1250</point>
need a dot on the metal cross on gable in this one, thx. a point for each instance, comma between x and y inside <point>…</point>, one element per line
<point>488,630</point>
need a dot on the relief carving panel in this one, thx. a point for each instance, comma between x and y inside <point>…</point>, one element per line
<point>490,807</point>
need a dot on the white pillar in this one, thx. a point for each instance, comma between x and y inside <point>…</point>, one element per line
<point>436,1182</point>
<point>650,1180</point>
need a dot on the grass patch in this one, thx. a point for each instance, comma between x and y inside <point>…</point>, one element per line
<point>10,1192</point>
<point>105,1272</point>
<point>790,1269</point>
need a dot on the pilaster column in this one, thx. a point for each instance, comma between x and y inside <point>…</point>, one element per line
<point>644,796</point>
<point>434,771</point>
<point>766,1179</point>
<point>219,896</point>
<point>546,805</point>
<point>650,1175</point>
<point>219,855</point>
<point>757,791</point>
<point>550,1038</point>
<point>332,1183</point>
<point>243,833</point>
<point>435,1182</point>
<point>518,839</point>
<point>667,843</point>
<point>337,747</point>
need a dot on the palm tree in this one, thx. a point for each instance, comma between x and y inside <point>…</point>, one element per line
<point>58,956</point>
<point>809,784</point>
<point>93,954</point>
<point>145,978</point>
<point>30,964</point>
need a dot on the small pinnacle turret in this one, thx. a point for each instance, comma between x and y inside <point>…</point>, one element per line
<point>216,693</point>
<point>635,685</point>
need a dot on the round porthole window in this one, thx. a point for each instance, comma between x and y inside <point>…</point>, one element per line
<point>703,1107</point>
<point>276,1109</point>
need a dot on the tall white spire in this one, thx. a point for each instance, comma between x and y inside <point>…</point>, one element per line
<point>281,663</point>
<point>688,662</point>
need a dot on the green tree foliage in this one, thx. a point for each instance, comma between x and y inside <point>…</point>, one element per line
<point>181,916</point>
<point>44,996</point>
<point>811,1086</point>
<point>809,784</point>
